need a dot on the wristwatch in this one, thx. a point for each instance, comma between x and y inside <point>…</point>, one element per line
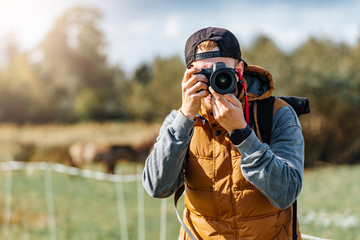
<point>239,135</point>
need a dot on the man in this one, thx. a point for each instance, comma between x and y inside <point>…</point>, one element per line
<point>236,187</point>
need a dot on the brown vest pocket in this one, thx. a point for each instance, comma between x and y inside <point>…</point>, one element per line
<point>200,202</point>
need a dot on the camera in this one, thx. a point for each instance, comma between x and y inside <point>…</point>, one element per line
<point>221,78</point>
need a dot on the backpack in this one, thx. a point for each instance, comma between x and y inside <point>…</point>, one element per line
<point>261,114</point>
<point>265,110</point>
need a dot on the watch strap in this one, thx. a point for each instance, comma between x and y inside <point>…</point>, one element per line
<point>239,135</point>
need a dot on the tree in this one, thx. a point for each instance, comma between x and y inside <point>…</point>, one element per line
<point>20,90</point>
<point>153,94</point>
<point>266,54</point>
<point>74,60</point>
<point>324,73</point>
<point>165,89</point>
<point>143,74</point>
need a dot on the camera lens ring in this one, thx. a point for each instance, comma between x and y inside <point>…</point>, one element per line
<point>223,87</point>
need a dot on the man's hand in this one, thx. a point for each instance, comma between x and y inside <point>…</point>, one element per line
<point>227,110</point>
<point>194,88</point>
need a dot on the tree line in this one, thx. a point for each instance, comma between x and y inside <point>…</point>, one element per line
<point>68,79</point>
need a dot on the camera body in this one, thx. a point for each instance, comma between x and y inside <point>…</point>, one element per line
<point>221,78</point>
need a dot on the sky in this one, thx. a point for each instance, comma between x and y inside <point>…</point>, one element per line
<point>136,31</point>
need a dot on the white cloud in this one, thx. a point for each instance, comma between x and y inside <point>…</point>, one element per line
<point>172,27</point>
<point>141,27</point>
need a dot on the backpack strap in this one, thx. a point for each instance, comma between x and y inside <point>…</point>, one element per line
<point>266,108</point>
<point>294,223</point>
<point>263,116</point>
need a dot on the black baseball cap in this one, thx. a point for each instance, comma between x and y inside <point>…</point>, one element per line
<point>226,41</point>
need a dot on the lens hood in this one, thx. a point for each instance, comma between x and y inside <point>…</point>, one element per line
<point>223,79</point>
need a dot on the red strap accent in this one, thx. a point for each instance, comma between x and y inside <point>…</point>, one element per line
<point>246,110</point>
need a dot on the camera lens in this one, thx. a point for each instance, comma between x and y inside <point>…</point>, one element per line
<point>223,81</point>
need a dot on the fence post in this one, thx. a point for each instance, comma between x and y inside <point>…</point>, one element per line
<point>121,206</point>
<point>163,219</point>
<point>8,198</point>
<point>50,202</point>
<point>141,211</point>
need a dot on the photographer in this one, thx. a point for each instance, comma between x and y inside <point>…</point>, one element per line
<point>236,186</point>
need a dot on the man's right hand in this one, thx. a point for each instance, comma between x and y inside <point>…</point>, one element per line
<point>194,88</point>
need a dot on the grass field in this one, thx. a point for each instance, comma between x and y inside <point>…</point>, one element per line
<point>84,208</point>
<point>328,206</point>
<point>87,209</point>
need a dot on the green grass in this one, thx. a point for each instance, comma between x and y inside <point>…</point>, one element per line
<point>87,209</point>
<point>84,208</point>
<point>329,204</point>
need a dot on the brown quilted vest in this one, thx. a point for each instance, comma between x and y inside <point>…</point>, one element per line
<point>219,202</point>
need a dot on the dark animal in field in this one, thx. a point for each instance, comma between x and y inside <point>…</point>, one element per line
<point>109,154</point>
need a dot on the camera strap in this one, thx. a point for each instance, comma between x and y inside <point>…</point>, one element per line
<point>177,195</point>
<point>246,110</point>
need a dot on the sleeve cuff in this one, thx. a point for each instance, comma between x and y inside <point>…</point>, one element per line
<point>182,126</point>
<point>250,145</point>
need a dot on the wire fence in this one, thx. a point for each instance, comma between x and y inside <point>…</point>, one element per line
<point>119,179</point>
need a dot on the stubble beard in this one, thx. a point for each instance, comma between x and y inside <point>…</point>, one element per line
<point>206,103</point>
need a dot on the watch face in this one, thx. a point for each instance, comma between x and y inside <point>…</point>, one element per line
<point>239,135</point>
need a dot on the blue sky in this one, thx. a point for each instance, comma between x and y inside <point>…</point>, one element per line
<point>138,30</point>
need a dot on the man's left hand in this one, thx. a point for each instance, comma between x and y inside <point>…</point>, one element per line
<point>227,110</point>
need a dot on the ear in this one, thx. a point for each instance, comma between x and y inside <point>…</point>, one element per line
<point>240,66</point>
<point>240,70</point>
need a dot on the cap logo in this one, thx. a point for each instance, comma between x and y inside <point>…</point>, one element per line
<point>204,55</point>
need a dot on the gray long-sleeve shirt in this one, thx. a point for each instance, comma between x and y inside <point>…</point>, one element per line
<point>276,170</point>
